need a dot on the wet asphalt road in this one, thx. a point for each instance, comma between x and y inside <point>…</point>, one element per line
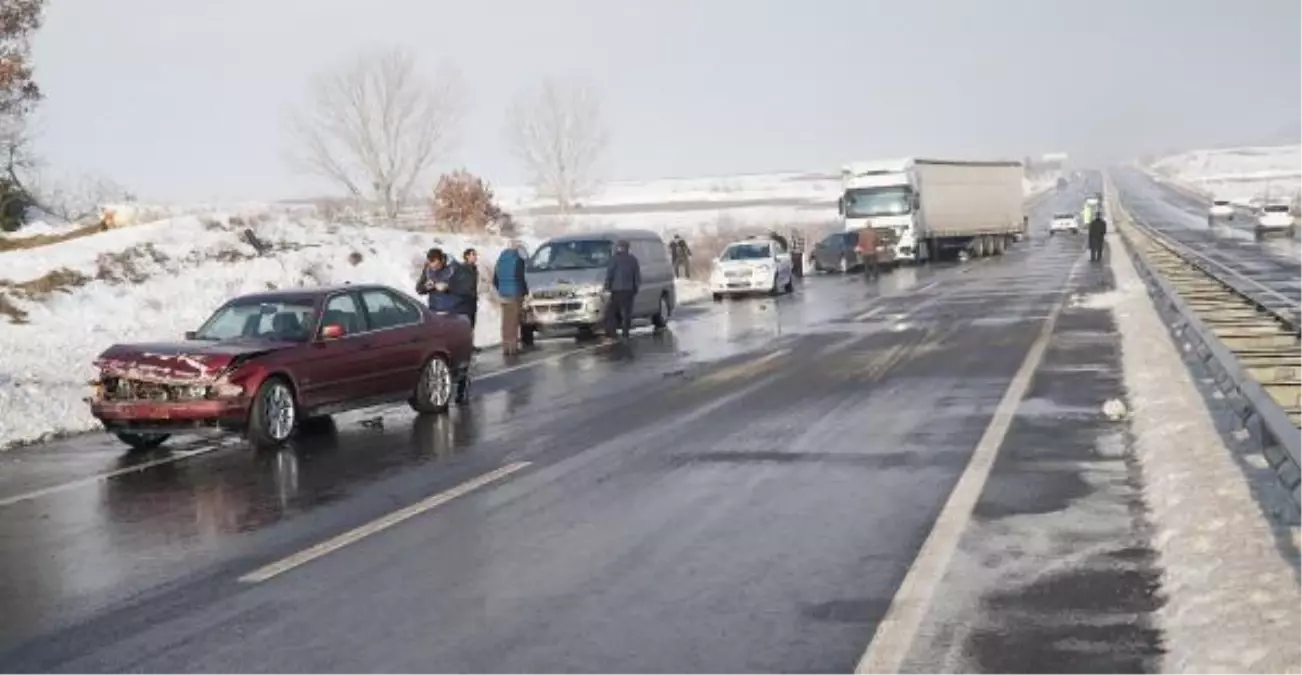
<point>743,493</point>
<point>1274,262</point>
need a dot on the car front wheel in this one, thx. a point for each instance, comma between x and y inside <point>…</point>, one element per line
<point>140,442</point>
<point>434,389</point>
<point>274,414</point>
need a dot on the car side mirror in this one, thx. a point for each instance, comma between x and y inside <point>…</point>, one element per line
<point>190,335</point>
<point>332,331</point>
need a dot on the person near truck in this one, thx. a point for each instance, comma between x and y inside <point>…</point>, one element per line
<point>867,249</point>
<point>681,255</point>
<point>512,288</point>
<point>623,278</point>
<point>797,252</point>
<point>1098,228</point>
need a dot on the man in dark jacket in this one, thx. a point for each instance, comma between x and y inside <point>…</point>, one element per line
<point>623,279</point>
<point>1097,229</point>
<point>797,252</point>
<point>470,261</point>
<point>682,257</point>
<point>446,285</point>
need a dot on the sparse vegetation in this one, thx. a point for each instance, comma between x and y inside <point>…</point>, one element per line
<point>558,134</point>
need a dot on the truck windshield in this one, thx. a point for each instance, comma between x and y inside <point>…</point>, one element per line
<point>881,201</point>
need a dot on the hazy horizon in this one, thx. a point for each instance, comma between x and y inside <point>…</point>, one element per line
<point>188,101</point>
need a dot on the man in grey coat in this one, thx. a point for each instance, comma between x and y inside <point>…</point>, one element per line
<point>623,278</point>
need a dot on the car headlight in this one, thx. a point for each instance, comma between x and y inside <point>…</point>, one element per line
<point>761,270</point>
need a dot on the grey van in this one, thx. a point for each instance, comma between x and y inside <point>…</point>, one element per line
<point>567,274</point>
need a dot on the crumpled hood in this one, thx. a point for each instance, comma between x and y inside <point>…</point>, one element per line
<point>188,362</point>
<point>563,280</point>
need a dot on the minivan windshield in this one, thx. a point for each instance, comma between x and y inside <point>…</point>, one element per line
<point>571,255</point>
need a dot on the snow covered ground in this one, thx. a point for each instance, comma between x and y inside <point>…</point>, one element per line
<point>156,281</point>
<point>1242,175</point>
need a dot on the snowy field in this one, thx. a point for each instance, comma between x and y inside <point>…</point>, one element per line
<point>61,304</point>
<point>1245,176</point>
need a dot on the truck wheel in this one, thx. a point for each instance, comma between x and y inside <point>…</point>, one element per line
<point>274,415</point>
<point>141,441</point>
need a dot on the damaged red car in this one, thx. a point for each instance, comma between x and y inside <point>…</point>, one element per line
<point>262,364</point>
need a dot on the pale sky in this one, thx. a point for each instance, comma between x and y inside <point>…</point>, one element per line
<point>188,99</point>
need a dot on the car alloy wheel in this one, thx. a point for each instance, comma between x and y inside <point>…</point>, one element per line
<point>439,377</point>
<point>278,402</point>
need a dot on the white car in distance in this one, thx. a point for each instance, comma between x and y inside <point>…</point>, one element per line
<point>1064,222</point>
<point>1220,209</point>
<point>1275,218</point>
<point>758,265</point>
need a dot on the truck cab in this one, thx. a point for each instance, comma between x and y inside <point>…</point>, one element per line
<point>882,195</point>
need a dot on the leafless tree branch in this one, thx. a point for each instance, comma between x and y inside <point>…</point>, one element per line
<point>558,134</point>
<point>376,127</point>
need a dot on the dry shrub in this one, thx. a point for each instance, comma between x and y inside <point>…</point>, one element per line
<point>463,202</point>
<point>9,309</point>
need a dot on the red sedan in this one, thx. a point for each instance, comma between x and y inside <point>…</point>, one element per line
<point>263,363</point>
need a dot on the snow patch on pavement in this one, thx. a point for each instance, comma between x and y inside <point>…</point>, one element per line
<point>1233,597</point>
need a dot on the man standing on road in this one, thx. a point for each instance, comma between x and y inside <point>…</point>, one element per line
<point>445,284</point>
<point>509,281</point>
<point>623,278</point>
<point>868,252</point>
<point>470,260</point>
<point>797,252</point>
<point>681,256</point>
<point>1097,229</point>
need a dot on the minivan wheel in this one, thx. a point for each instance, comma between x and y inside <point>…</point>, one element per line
<point>434,389</point>
<point>141,441</point>
<point>661,318</point>
<point>274,414</point>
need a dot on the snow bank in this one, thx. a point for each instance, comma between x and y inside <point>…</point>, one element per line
<point>1232,598</point>
<point>1245,176</point>
<point>156,281</point>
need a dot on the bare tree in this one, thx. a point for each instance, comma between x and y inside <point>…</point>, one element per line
<point>376,126</point>
<point>557,132</point>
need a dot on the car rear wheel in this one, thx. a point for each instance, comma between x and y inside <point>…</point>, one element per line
<point>141,442</point>
<point>661,318</point>
<point>434,389</point>
<point>274,414</point>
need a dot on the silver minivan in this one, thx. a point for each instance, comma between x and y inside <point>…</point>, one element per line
<point>567,275</point>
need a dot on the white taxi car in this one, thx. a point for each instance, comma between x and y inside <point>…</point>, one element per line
<point>1221,209</point>
<point>1275,218</point>
<point>758,265</point>
<point>1064,222</point>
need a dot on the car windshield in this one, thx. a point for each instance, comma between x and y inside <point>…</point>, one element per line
<point>287,320</point>
<point>1064,216</point>
<point>571,255</point>
<point>756,251</point>
<point>879,201</point>
<point>1220,203</point>
<point>1276,208</point>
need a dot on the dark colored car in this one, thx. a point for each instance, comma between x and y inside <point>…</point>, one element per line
<point>836,252</point>
<point>264,363</point>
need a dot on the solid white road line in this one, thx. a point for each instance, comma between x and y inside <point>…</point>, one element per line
<point>380,524</point>
<point>176,456</point>
<point>895,634</point>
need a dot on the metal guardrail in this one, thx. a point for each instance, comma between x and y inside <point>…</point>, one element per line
<point>1251,348</point>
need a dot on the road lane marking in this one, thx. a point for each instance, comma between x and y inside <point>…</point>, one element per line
<point>176,456</point>
<point>378,525</point>
<point>868,314</point>
<point>895,633</point>
<point>740,370</point>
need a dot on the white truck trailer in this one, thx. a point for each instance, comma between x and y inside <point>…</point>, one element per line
<point>936,205</point>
